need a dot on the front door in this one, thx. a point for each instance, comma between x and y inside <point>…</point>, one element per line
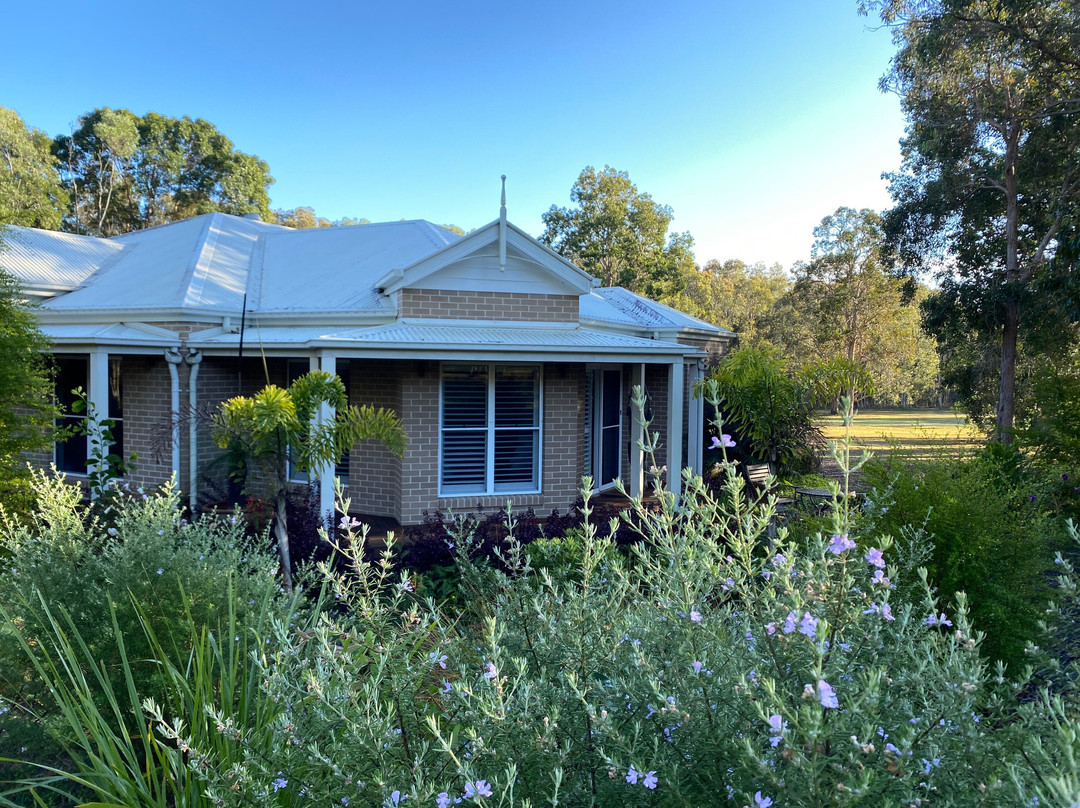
<point>605,422</point>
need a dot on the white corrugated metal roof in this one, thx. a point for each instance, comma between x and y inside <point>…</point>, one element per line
<point>429,336</point>
<point>338,267</point>
<point>51,260</point>
<point>618,305</point>
<point>114,334</point>
<point>201,262</point>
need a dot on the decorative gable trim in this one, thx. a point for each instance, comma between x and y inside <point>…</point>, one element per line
<point>564,273</point>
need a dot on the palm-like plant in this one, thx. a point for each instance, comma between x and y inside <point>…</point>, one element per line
<point>277,427</point>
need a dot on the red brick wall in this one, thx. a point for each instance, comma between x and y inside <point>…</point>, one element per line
<point>448,305</point>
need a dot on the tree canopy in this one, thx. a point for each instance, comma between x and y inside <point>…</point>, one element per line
<point>30,190</point>
<point>620,235</point>
<point>990,173</point>
<point>125,172</point>
<point>26,414</point>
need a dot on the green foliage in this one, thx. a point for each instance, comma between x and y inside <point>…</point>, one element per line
<point>129,596</point>
<point>733,295</point>
<point>766,409</point>
<point>26,410</point>
<point>713,661</point>
<point>620,235</point>
<point>30,190</point>
<point>993,530</point>
<point>104,468</point>
<point>829,380</point>
<point>276,427</point>
<point>125,172</point>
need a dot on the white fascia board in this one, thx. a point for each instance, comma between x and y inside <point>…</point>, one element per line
<point>452,353</point>
<point>124,345</point>
<point>579,280</point>
<point>142,315</point>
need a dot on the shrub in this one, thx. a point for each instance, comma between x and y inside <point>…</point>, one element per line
<point>707,661</point>
<point>991,533</point>
<point>150,568</point>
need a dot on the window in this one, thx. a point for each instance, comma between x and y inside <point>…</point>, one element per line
<point>490,431</point>
<point>73,371</point>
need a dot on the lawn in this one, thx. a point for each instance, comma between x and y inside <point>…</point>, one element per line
<point>915,433</point>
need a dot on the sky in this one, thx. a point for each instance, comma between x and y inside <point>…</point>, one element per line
<point>752,121</point>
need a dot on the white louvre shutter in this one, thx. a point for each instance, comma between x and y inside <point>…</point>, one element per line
<point>465,432</point>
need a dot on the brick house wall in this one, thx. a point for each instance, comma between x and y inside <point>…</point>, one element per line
<point>563,430</point>
<point>147,418</point>
<point>375,475</point>
<point>450,305</point>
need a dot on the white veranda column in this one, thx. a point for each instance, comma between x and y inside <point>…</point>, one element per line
<point>675,427</point>
<point>326,473</point>
<point>637,436</point>
<point>98,394</point>
<point>696,414</point>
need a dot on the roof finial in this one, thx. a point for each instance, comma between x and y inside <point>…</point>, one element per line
<point>502,228</point>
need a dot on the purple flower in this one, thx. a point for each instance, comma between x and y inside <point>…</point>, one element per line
<point>396,797</point>
<point>789,623</point>
<point>770,628</point>
<point>1031,497</point>
<point>443,800</point>
<point>697,666</point>
<point>808,626</point>
<point>279,783</point>
<point>841,544</point>
<point>695,616</point>
<point>778,559</point>
<point>886,612</point>
<point>446,686</point>
<point>481,788</point>
<point>873,556</point>
<point>490,672</point>
<point>940,620</point>
<point>650,780</point>
<point>405,586</point>
<point>1065,477</point>
<point>827,694</point>
<point>777,725</point>
<point>632,776</point>
<point>437,660</point>
<point>348,523</point>
<point>760,801</point>
<point>879,579</point>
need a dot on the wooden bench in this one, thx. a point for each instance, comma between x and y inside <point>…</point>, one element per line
<point>763,483</point>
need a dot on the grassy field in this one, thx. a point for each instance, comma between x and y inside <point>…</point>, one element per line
<point>914,433</point>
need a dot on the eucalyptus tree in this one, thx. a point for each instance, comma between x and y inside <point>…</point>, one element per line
<point>30,190</point>
<point>620,235</point>
<point>126,172</point>
<point>990,175</point>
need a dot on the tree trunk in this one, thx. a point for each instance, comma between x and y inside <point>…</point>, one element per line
<point>281,532</point>
<point>1006,410</point>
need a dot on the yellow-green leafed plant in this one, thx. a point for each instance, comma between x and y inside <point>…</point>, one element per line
<point>278,427</point>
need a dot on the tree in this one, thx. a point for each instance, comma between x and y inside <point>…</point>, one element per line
<point>620,235</point>
<point>278,428</point>
<point>26,411</point>
<point>125,172</point>
<point>732,294</point>
<point>992,95</point>
<point>30,190</point>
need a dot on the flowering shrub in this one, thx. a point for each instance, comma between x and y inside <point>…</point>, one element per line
<point>708,663</point>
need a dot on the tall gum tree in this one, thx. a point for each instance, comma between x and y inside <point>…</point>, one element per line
<point>991,90</point>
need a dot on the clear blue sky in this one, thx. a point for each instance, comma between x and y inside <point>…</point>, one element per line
<point>751,120</point>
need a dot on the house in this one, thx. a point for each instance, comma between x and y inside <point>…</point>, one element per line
<point>509,368</point>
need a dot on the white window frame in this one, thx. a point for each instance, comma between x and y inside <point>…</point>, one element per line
<point>489,460</point>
